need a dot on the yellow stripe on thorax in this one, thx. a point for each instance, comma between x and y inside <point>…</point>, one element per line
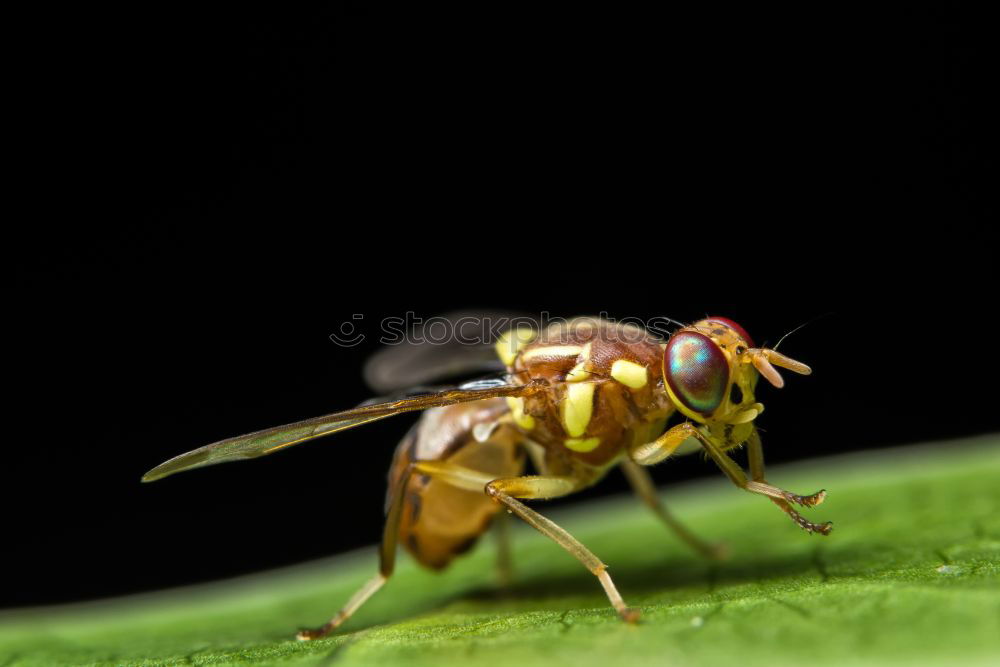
<point>578,407</point>
<point>582,444</point>
<point>629,373</point>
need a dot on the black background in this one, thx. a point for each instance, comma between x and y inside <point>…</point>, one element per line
<point>205,195</point>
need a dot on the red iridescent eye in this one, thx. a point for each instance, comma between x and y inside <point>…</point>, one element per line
<point>735,327</point>
<point>696,371</point>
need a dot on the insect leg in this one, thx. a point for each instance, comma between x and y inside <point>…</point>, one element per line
<point>505,569</point>
<point>657,450</point>
<point>387,562</point>
<point>755,454</point>
<point>536,486</point>
<point>738,477</point>
<point>643,486</point>
<point>533,486</point>
<point>653,452</point>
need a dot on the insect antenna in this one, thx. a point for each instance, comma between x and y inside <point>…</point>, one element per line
<point>673,321</point>
<point>818,317</point>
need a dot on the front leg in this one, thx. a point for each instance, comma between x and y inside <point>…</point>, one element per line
<point>659,449</point>
<point>755,454</point>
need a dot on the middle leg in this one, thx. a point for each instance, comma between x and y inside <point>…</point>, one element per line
<point>506,492</point>
<point>643,486</point>
<point>505,564</point>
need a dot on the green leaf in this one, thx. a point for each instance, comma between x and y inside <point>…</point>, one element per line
<point>911,573</point>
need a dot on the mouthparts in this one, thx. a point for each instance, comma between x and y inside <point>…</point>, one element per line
<point>765,360</point>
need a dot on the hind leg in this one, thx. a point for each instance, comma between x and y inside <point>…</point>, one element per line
<point>387,562</point>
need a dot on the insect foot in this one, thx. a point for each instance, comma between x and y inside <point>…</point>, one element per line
<point>808,501</point>
<point>630,615</point>
<point>804,523</point>
<point>319,633</point>
<point>720,551</point>
<point>309,635</point>
<point>822,528</point>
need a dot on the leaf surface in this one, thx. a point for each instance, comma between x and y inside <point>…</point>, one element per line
<point>911,574</point>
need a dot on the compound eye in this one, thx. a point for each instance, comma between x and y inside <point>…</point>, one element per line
<point>735,327</point>
<point>696,371</point>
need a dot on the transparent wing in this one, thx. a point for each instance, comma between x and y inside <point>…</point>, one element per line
<point>444,347</point>
<point>262,443</point>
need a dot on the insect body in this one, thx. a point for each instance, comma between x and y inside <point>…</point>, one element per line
<point>578,399</point>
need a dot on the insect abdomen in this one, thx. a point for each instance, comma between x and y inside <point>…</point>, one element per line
<point>439,521</point>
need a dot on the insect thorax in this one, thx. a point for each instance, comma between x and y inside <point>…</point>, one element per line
<point>605,389</point>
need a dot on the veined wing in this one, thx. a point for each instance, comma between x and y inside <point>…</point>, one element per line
<point>270,440</point>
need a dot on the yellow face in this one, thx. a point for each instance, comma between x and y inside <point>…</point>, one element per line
<point>710,371</point>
